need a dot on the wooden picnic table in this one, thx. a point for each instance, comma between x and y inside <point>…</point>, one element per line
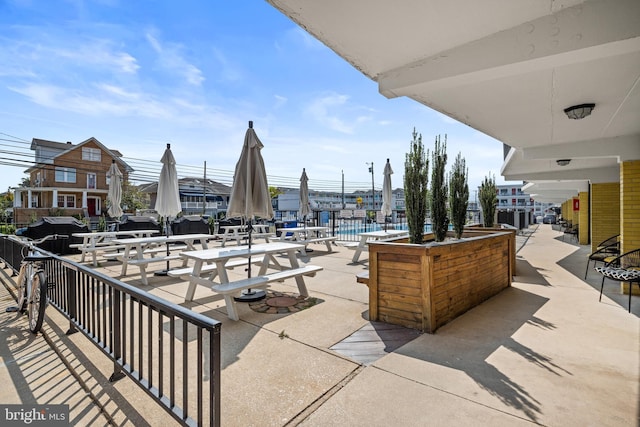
<point>266,251</point>
<point>142,251</point>
<point>367,237</point>
<point>95,241</point>
<point>239,233</point>
<point>306,235</point>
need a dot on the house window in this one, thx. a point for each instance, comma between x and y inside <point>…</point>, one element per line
<point>65,174</point>
<point>91,154</point>
<point>34,201</point>
<point>66,201</point>
<point>91,181</point>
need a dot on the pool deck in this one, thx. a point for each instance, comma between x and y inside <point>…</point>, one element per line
<point>543,352</point>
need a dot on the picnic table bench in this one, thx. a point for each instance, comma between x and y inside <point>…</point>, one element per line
<point>307,235</point>
<point>103,241</point>
<point>223,258</point>
<point>145,250</point>
<point>240,233</point>
<point>380,236</point>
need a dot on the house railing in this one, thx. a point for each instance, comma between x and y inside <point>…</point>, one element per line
<point>172,353</point>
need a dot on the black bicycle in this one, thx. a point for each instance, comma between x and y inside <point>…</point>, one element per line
<point>32,283</point>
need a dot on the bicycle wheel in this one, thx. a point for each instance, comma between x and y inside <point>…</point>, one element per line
<point>38,302</point>
<point>22,289</point>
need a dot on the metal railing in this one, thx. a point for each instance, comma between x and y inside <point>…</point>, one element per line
<point>170,352</point>
<point>347,229</point>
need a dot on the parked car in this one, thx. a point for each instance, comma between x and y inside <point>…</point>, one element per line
<point>549,219</point>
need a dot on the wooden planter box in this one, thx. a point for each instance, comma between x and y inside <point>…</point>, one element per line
<point>426,286</point>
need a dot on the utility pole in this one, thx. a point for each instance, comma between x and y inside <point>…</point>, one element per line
<point>204,190</point>
<point>373,188</point>
<point>343,205</point>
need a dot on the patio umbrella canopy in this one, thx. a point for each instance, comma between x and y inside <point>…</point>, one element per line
<point>115,191</point>
<point>386,208</point>
<point>304,200</point>
<point>168,199</point>
<point>250,196</point>
<point>304,196</point>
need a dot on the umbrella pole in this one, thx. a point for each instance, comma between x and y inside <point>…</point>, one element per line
<point>250,295</point>
<point>166,233</point>
<point>304,219</point>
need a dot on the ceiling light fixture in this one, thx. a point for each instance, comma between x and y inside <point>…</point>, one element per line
<point>563,162</point>
<point>578,112</point>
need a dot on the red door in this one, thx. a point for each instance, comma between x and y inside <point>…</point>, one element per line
<point>91,207</point>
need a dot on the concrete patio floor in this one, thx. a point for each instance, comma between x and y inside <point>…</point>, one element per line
<point>544,351</point>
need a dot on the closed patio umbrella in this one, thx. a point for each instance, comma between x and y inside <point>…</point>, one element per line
<point>386,208</point>
<point>250,196</point>
<point>168,198</point>
<point>114,196</point>
<point>304,200</point>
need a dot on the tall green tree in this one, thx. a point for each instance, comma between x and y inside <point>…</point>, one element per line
<point>274,192</point>
<point>459,194</point>
<point>488,199</point>
<point>416,180</point>
<point>439,191</point>
<point>133,198</point>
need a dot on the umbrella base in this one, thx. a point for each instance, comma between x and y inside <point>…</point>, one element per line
<point>161,273</point>
<point>251,295</point>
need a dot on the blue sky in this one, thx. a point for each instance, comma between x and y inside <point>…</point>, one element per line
<point>137,75</point>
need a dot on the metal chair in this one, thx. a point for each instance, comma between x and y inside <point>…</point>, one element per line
<point>623,268</point>
<point>571,230</point>
<point>605,251</point>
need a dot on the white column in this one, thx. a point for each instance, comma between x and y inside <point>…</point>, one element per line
<point>55,198</point>
<point>84,200</point>
<point>17,198</point>
<point>29,198</point>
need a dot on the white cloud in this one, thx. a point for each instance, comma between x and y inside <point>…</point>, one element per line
<point>323,109</point>
<point>280,101</point>
<point>227,71</point>
<point>107,100</point>
<point>170,57</point>
<point>118,91</point>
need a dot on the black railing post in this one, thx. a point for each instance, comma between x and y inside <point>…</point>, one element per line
<point>214,376</point>
<point>72,300</point>
<point>115,336</point>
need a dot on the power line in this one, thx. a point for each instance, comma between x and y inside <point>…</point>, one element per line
<point>147,171</point>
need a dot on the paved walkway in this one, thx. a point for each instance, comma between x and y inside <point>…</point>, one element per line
<point>543,352</point>
<point>38,369</point>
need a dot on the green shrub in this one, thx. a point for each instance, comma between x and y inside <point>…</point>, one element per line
<point>488,199</point>
<point>416,179</point>
<point>439,191</point>
<point>458,194</point>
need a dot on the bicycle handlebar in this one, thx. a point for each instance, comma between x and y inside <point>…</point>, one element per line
<point>34,242</point>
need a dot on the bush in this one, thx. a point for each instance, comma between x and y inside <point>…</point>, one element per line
<point>439,191</point>
<point>488,199</point>
<point>459,194</point>
<point>416,179</point>
<point>7,229</point>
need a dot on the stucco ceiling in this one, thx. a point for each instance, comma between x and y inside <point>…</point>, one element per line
<point>507,68</point>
